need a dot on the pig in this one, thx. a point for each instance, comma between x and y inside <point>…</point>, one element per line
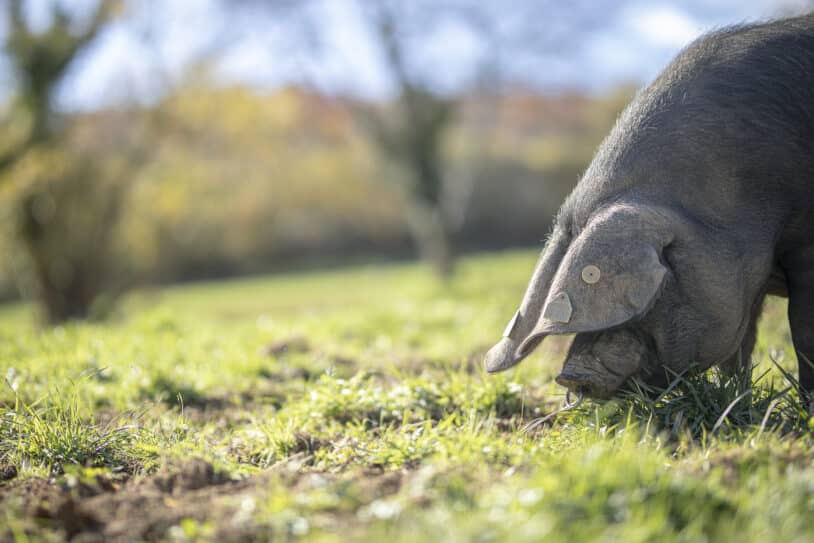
<point>698,204</point>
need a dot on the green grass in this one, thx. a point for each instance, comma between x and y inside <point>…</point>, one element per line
<point>352,405</point>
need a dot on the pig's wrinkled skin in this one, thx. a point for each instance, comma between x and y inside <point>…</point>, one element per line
<point>698,204</point>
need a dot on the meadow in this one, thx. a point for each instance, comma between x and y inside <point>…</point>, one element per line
<point>351,405</point>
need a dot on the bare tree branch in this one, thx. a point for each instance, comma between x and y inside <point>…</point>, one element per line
<point>40,61</point>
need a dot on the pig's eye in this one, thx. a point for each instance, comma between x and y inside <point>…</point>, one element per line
<point>591,274</point>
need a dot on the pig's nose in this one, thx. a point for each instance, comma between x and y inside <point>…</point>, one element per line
<point>579,384</point>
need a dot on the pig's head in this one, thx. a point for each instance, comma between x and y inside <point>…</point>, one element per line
<point>636,298</point>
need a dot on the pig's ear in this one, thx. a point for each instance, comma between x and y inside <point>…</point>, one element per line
<point>611,274</point>
<point>504,354</point>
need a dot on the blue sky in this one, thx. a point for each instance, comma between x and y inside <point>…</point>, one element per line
<point>158,43</point>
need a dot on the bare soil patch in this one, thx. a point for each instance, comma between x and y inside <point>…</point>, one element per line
<point>128,508</point>
<point>134,509</point>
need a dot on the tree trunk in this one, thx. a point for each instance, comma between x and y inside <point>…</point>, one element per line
<point>59,287</point>
<point>432,237</point>
<point>68,241</point>
<point>64,302</point>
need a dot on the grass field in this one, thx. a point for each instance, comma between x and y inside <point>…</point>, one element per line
<point>351,406</point>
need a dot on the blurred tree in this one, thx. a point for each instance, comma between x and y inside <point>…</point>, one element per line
<point>40,61</point>
<point>64,200</point>
<point>66,208</point>
<point>412,135</point>
<point>248,181</point>
<point>410,40</point>
<point>415,133</point>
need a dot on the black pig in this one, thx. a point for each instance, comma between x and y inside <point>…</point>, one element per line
<point>698,204</point>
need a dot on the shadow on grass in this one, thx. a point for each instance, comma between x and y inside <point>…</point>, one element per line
<point>166,390</point>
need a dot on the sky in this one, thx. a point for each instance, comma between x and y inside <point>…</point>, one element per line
<point>160,42</point>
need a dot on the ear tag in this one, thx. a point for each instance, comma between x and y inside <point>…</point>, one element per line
<point>559,308</point>
<point>512,323</point>
<point>591,274</point>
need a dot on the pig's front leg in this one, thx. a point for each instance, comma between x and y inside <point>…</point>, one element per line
<point>739,364</point>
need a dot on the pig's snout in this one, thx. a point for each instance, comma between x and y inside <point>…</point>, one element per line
<point>586,375</point>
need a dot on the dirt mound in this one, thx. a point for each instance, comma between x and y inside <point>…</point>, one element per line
<point>139,509</point>
<point>191,475</point>
<point>124,508</point>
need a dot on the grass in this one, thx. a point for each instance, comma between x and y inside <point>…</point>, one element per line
<point>53,433</point>
<point>352,405</point>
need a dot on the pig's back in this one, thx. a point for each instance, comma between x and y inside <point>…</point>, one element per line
<point>726,131</point>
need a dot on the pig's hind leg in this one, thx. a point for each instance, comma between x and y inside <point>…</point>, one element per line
<point>801,322</point>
